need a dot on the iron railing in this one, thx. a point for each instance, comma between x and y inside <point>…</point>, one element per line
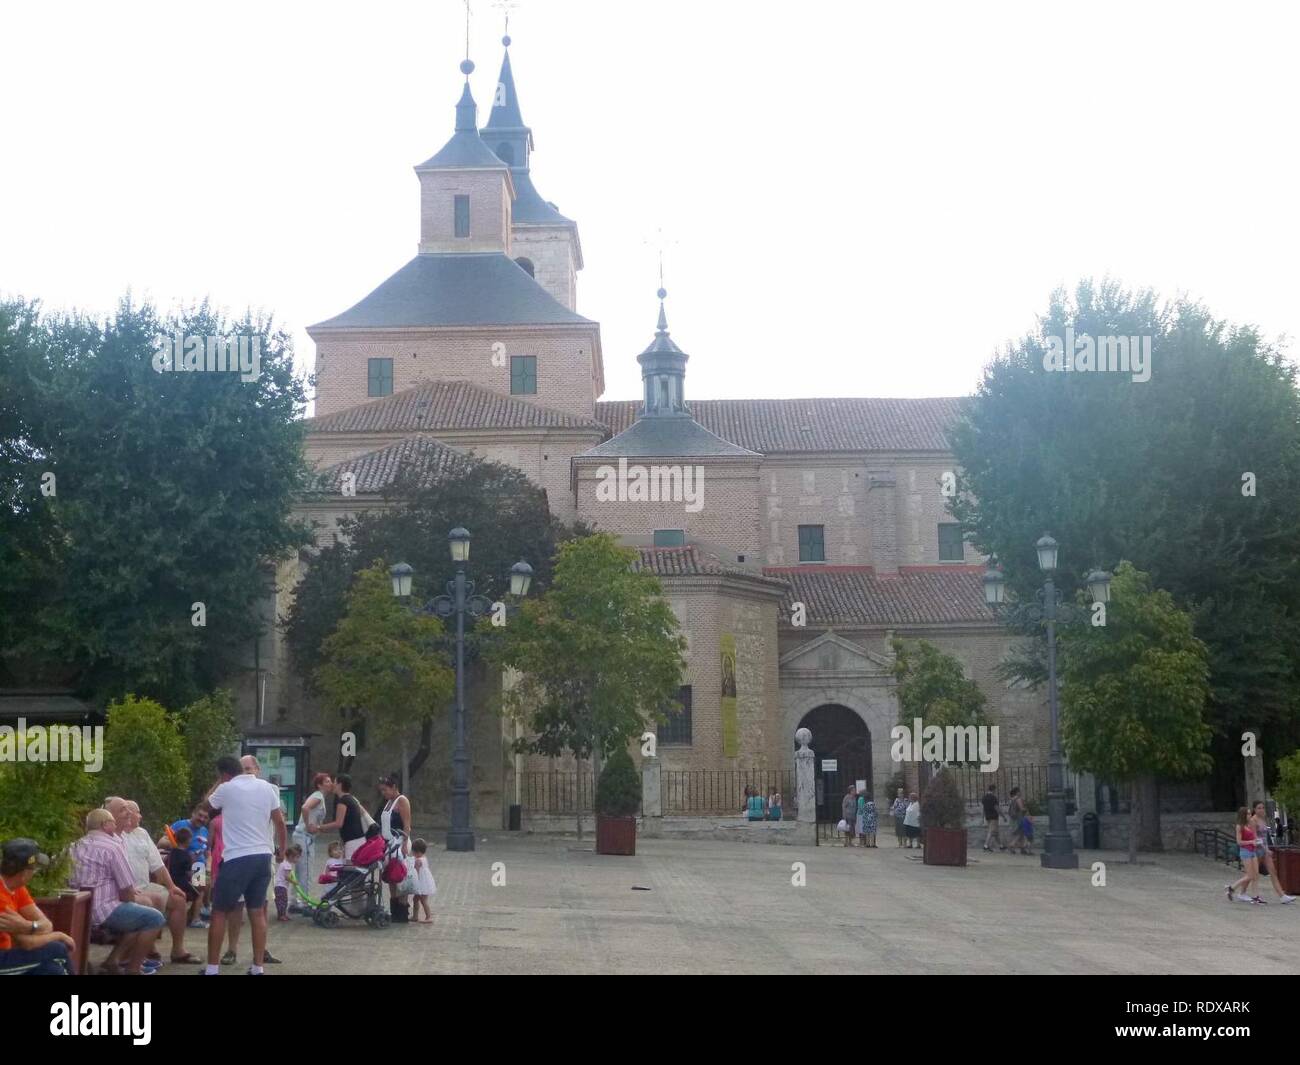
<point>1212,843</point>
<point>557,791</point>
<point>721,792</point>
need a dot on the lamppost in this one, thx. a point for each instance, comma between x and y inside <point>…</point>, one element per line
<point>1058,848</point>
<point>459,601</point>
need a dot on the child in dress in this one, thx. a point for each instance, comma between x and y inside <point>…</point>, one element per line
<point>333,863</point>
<point>282,872</point>
<point>424,885</point>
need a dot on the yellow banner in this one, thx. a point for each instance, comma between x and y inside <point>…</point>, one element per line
<point>730,724</point>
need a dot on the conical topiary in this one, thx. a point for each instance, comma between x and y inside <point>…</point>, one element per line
<point>942,805</point>
<point>618,792</point>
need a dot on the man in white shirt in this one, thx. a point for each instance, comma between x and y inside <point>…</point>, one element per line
<point>153,883</point>
<point>250,811</point>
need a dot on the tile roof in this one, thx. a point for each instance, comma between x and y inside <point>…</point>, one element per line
<point>419,456</point>
<point>461,288</point>
<point>667,436</point>
<point>694,561</point>
<point>768,425</point>
<point>435,406</point>
<point>856,595</point>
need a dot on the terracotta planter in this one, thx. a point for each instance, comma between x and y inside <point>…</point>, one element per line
<point>1287,862</point>
<point>615,835</point>
<point>71,914</point>
<point>944,846</point>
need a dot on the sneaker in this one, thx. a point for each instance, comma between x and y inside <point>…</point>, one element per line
<point>254,972</point>
<point>1286,898</point>
<point>1243,898</point>
<point>228,958</point>
<point>1259,902</point>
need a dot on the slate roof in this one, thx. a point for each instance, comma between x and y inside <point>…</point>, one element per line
<point>440,405</point>
<point>767,425</point>
<point>461,288</point>
<point>528,207</point>
<point>667,436</point>
<point>466,149</point>
<point>857,595</point>
<point>418,456</point>
<point>694,561</point>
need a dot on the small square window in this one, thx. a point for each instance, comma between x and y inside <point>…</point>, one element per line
<point>950,545</point>
<point>677,729</point>
<point>670,538</point>
<point>462,216</point>
<point>812,543</point>
<point>523,375</point>
<point>379,377</point>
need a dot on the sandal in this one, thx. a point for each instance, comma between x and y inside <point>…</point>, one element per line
<point>228,958</point>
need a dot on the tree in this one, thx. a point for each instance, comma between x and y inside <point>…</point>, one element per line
<point>47,802</point>
<point>1154,471</point>
<point>1133,691</point>
<point>169,489</point>
<point>144,760</point>
<point>384,663</point>
<point>209,730</point>
<point>599,653</point>
<point>933,686</point>
<point>507,514</point>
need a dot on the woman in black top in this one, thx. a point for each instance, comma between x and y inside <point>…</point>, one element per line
<point>348,816</point>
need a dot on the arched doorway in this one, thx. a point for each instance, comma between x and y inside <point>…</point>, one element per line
<point>839,736</point>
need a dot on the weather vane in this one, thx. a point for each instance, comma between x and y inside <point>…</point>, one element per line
<point>659,244</point>
<point>506,7</point>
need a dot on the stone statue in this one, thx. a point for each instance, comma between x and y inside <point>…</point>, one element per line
<point>805,790</point>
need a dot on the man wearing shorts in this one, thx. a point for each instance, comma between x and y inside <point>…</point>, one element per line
<point>153,883</point>
<point>250,812</point>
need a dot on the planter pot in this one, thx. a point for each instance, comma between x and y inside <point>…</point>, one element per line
<point>1287,862</point>
<point>944,846</point>
<point>70,913</point>
<point>615,835</point>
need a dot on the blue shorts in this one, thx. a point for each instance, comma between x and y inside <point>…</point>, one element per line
<point>1246,853</point>
<point>132,917</point>
<point>246,879</point>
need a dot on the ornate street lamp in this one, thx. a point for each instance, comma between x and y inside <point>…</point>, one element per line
<point>1058,847</point>
<point>459,601</point>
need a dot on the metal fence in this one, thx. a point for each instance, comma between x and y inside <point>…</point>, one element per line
<point>557,791</point>
<point>718,792</point>
<point>1030,779</point>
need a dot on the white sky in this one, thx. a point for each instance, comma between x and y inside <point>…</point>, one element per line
<point>859,198</point>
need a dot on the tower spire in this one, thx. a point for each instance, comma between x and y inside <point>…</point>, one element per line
<point>663,367</point>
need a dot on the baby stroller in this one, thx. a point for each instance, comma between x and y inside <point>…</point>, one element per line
<point>358,892</point>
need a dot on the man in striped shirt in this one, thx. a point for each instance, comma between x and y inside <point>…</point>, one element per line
<point>102,868</point>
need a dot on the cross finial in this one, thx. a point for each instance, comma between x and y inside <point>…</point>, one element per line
<point>659,243</point>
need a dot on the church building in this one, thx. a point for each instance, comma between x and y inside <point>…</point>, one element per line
<point>794,538</point>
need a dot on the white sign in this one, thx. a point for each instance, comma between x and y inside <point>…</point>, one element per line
<point>862,785</point>
<point>830,765</point>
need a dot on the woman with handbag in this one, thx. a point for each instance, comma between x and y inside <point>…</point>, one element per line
<point>394,821</point>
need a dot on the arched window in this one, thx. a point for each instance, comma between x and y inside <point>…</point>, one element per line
<point>506,153</point>
<point>527,265</point>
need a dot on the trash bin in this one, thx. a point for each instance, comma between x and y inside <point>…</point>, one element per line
<point>1091,832</point>
<point>516,816</point>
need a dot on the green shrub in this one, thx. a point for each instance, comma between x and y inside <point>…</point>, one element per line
<point>209,730</point>
<point>1287,789</point>
<point>47,802</point>
<point>942,805</point>
<point>144,760</point>
<point>618,792</point>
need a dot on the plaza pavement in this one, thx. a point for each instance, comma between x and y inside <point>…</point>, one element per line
<point>731,908</point>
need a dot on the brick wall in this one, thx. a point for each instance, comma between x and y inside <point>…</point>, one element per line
<point>489,210</point>
<point>566,370</point>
